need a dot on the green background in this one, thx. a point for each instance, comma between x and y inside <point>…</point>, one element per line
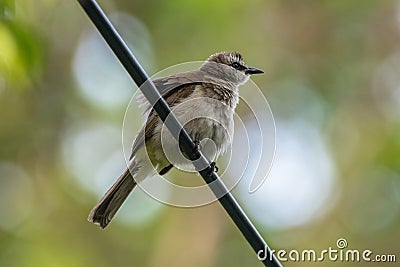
<point>332,66</point>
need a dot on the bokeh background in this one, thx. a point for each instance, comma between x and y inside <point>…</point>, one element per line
<point>332,78</point>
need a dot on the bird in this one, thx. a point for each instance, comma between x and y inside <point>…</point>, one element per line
<point>204,101</point>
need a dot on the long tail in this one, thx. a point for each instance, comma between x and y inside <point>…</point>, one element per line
<point>105,210</point>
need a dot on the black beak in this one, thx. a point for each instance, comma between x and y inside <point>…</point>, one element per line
<point>253,71</point>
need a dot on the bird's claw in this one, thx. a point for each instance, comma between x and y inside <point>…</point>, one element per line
<point>214,167</point>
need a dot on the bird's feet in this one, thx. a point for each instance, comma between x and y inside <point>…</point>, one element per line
<point>214,167</point>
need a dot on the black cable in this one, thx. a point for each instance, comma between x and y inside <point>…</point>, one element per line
<point>139,76</point>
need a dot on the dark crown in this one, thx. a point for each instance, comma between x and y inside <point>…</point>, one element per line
<point>227,58</point>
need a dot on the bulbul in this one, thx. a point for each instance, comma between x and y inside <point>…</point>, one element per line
<point>204,101</point>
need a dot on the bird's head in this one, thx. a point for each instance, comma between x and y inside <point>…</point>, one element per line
<point>230,67</point>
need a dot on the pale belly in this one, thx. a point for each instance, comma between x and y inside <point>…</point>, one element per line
<point>207,121</point>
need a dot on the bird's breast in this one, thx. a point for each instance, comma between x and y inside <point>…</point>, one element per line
<point>206,119</point>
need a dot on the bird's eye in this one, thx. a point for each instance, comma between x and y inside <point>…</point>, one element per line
<point>236,65</point>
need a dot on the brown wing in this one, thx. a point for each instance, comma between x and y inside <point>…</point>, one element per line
<point>167,85</point>
<point>172,97</point>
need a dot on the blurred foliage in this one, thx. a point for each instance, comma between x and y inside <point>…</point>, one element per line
<point>322,62</point>
<point>21,55</point>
